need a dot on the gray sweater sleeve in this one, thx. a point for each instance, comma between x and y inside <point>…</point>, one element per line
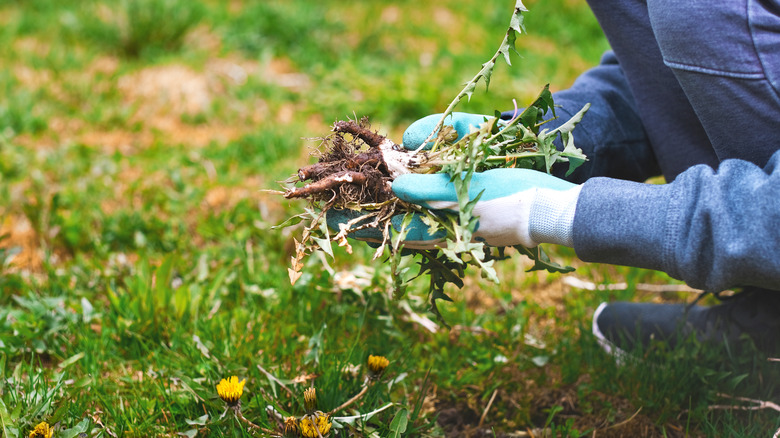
<point>712,229</point>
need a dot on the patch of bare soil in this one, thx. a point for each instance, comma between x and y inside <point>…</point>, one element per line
<point>168,90</point>
<point>161,99</point>
<point>21,235</point>
<point>223,198</point>
<point>597,414</point>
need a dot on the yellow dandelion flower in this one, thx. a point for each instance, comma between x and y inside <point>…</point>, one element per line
<point>315,425</point>
<point>310,400</point>
<point>230,390</point>
<point>42,430</point>
<point>377,364</point>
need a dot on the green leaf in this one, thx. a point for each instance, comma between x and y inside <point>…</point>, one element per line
<point>71,360</point>
<point>568,127</point>
<point>507,45</point>
<point>516,22</point>
<point>295,220</point>
<point>546,98</point>
<point>530,116</point>
<point>399,423</point>
<point>58,414</point>
<point>542,260</point>
<point>487,268</point>
<point>487,69</point>
<point>435,310</point>
<point>200,421</point>
<point>163,276</point>
<point>439,295</point>
<point>324,242</point>
<point>315,346</point>
<point>81,427</point>
<point>469,89</point>
<point>5,419</point>
<point>441,270</point>
<point>399,284</point>
<point>574,163</point>
<point>400,236</point>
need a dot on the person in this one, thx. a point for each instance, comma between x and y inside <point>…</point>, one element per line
<point>690,91</point>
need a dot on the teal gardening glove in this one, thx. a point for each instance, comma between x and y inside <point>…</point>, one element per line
<point>517,206</point>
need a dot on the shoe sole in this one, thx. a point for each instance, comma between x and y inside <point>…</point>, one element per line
<point>611,349</point>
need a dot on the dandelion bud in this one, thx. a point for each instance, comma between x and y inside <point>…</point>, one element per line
<point>310,399</point>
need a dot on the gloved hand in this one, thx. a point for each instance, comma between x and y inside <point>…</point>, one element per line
<point>517,206</point>
<point>418,131</point>
<point>417,236</point>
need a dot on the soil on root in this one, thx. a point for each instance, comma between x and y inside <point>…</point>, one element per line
<point>350,171</point>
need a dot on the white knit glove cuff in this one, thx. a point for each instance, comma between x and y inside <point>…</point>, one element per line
<point>552,216</point>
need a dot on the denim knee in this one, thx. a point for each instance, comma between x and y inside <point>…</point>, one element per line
<point>706,37</point>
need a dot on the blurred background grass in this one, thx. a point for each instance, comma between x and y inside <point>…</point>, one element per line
<point>138,265</point>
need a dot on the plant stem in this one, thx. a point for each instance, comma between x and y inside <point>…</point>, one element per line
<point>485,72</point>
<point>511,156</point>
<point>241,417</point>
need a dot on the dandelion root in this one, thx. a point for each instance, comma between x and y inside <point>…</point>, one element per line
<point>356,167</point>
<point>327,183</point>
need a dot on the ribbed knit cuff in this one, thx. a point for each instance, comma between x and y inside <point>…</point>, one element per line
<point>552,216</point>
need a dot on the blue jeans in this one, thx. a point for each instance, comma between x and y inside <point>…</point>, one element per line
<point>705,76</point>
<point>691,91</point>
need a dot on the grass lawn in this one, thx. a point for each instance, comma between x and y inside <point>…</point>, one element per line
<point>139,140</point>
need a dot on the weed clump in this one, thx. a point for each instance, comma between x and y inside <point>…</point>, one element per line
<point>356,170</point>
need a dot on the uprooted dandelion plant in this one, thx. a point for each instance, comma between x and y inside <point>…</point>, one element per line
<point>356,170</point>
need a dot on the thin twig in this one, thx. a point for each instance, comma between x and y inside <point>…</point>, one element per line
<point>530,433</point>
<point>241,417</point>
<point>272,377</point>
<point>626,421</point>
<point>363,417</point>
<point>758,404</point>
<point>352,400</point>
<point>487,408</point>
<point>643,287</point>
